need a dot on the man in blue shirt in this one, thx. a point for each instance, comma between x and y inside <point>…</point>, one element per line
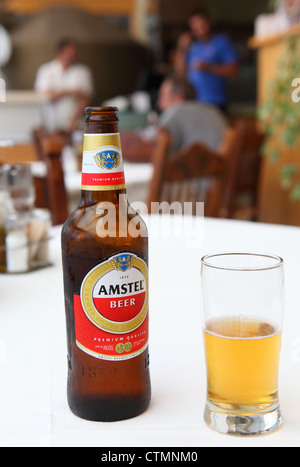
<point>207,60</point>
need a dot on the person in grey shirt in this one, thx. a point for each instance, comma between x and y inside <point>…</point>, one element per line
<point>187,120</point>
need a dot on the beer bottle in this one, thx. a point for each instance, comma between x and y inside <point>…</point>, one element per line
<point>105,257</point>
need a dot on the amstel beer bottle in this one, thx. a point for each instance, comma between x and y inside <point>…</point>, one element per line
<point>104,252</point>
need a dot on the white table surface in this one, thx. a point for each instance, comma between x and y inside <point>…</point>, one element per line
<point>33,404</point>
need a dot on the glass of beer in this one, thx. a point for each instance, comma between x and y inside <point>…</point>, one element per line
<point>243,304</point>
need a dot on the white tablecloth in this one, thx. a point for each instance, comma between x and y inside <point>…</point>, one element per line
<point>34,410</point>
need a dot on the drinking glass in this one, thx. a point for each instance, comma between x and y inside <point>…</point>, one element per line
<point>21,187</point>
<point>243,305</point>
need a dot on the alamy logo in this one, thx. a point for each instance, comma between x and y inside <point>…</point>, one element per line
<point>2,350</point>
<point>2,90</point>
<point>296,92</point>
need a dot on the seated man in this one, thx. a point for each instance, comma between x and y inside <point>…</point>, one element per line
<point>187,120</point>
<point>68,86</point>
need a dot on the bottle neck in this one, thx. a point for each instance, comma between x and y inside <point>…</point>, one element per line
<point>89,198</point>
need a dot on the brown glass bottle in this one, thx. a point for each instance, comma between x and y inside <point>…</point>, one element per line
<point>108,366</point>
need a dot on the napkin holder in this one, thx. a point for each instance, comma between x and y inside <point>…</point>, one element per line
<point>26,242</point>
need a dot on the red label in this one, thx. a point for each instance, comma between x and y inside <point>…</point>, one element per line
<point>111,312</point>
<point>120,309</point>
<point>105,345</point>
<point>94,179</point>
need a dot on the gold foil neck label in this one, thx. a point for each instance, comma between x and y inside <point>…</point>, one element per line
<point>94,141</point>
<point>102,163</point>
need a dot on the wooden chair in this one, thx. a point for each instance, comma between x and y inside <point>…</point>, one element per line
<point>178,178</point>
<point>245,172</point>
<point>135,149</point>
<point>51,191</point>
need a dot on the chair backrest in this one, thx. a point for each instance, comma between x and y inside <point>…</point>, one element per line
<point>246,164</point>
<point>50,149</point>
<point>193,174</point>
<point>159,161</point>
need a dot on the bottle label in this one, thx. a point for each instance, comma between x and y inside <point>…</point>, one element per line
<point>102,163</point>
<point>111,312</point>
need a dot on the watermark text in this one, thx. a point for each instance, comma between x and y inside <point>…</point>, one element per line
<point>180,220</point>
<point>2,90</point>
<point>296,92</point>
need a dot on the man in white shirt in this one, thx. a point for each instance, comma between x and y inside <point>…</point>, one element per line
<point>68,86</point>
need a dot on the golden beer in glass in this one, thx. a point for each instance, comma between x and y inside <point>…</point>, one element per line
<point>242,350</point>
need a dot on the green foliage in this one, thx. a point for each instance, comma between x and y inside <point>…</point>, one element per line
<point>280,116</point>
<point>274,4</point>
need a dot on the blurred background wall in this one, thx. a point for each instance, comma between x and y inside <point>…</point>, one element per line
<point>120,47</point>
<point>129,45</point>
<point>105,45</point>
